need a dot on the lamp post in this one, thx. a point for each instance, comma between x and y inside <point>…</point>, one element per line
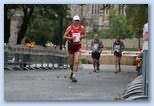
<point>86,40</point>
<point>82,20</point>
<point>61,31</point>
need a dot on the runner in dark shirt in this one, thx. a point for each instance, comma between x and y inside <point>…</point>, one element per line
<point>118,45</point>
<point>96,47</point>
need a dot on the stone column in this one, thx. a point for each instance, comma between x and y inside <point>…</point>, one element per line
<point>16,21</point>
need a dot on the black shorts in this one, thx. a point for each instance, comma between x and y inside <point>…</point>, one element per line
<point>118,54</point>
<point>95,55</point>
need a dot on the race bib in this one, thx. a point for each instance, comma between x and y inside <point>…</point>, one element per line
<point>76,37</point>
<point>117,48</point>
<point>95,46</point>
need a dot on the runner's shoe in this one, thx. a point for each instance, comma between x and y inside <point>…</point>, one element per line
<point>119,69</point>
<point>71,76</point>
<point>74,80</point>
<point>97,68</point>
<point>115,71</point>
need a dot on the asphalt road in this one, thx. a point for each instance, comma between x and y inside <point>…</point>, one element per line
<point>54,85</point>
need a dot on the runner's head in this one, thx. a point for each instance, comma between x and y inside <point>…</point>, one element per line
<point>118,38</point>
<point>76,20</point>
<point>96,36</point>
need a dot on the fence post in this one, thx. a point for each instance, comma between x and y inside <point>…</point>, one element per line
<point>146,71</point>
<point>5,58</point>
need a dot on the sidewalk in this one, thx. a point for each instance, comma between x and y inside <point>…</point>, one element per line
<point>56,85</point>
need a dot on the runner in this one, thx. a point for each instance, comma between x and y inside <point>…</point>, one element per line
<point>74,34</point>
<point>96,47</point>
<point>118,45</point>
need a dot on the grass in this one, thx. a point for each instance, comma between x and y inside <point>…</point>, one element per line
<point>126,49</point>
<point>84,60</point>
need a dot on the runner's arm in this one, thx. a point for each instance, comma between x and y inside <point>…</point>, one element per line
<point>67,33</point>
<point>91,45</point>
<point>101,46</point>
<point>83,33</point>
<point>122,45</point>
<point>113,47</point>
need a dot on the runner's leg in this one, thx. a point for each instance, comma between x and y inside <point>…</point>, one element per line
<point>95,62</point>
<point>71,59</point>
<point>98,61</point>
<point>98,64</point>
<point>75,64</point>
<point>116,60</point>
<point>119,59</point>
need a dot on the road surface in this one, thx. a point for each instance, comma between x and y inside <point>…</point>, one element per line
<point>51,85</point>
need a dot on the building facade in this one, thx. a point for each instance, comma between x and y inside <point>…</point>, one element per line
<point>95,16</point>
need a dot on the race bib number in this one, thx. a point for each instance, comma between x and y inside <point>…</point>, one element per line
<point>117,48</point>
<point>76,37</point>
<point>95,46</point>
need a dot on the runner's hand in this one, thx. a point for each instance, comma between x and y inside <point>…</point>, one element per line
<point>72,38</point>
<point>82,36</point>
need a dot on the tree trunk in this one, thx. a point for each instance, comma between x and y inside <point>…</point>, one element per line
<point>61,32</point>
<point>139,37</point>
<point>24,25</point>
<point>6,25</point>
<point>139,42</point>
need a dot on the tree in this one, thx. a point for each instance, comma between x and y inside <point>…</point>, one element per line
<point>6,25</point>
<point>37,18</point>
<point>9,11</point>
<point>47,22</point>
<point>137,14</point>
<point>28,11</point>
<point>7,19</point>
<point>118,26</point>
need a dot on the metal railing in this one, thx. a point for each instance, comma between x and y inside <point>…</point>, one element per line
<point>20,57</point>
<point>146,71</point>
<point>138,89</point>
<point>111,53</point>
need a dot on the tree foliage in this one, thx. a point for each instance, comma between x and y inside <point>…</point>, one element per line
<point>127,26</point>
<point>118,26</point>
<point>137,14</point>
<point>40,21</point>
